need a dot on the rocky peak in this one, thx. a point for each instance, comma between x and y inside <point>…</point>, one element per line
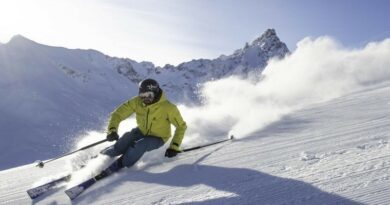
<point>268,35</point>
<point>270,42</point>
<point>263,48</point>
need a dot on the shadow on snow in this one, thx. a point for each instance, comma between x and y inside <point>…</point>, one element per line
<point>247,186</point>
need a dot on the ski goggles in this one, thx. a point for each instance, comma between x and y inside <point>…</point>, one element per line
<point>148,94</point>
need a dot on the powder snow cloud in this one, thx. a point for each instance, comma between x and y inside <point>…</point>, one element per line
<point>318,70</point>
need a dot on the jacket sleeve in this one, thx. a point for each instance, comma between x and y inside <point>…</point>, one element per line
<point>119,114</point>
<point>176,119</point>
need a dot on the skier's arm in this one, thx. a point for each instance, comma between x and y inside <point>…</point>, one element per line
<point>119,114</point>
<point>176,119</point>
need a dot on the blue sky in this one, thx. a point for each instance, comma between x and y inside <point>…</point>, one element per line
<point>174,31</point>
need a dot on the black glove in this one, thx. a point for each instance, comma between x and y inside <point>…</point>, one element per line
<point>171,153</point>
<point>112,136</point>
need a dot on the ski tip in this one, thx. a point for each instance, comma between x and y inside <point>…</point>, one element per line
<point>31,194</point>
<point>74,192</point>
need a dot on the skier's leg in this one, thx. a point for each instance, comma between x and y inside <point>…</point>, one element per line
<point>146,144</point>
<point>123,143</point>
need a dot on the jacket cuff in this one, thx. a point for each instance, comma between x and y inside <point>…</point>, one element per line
<point>175,146</point>
<point>111,130</point>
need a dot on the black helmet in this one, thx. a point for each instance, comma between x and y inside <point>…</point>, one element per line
<point>149,85</point>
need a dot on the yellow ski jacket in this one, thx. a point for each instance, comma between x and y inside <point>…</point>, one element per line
<point>154,119</point>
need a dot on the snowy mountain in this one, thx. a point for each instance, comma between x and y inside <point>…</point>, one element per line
<point>51,95</point>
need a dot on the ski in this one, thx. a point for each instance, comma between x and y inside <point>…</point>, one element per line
<point>75,191</point>
<point>39,190</point>
<point>35,192</point>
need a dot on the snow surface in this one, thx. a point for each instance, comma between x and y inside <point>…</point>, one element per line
<point>337,152</point>
<point>313,129</point>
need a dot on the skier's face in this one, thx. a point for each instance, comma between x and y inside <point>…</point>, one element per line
<point>147,97</point>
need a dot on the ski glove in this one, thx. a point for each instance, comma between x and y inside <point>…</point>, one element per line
<point>112,136</point>
<point>171,153</point>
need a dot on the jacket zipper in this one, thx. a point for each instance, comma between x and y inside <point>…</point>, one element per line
<point>147,119</point>
<point>150,129</point>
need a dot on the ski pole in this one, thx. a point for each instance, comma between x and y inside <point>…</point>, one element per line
<point>201,146</point>
<point>41,163</point>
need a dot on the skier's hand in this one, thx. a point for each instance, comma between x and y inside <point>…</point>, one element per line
<point>112,136</point>
<point>171,153</point>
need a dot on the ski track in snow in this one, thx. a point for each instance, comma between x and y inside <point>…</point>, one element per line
<point>336,152</point>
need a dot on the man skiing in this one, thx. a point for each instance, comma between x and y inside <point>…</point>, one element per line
<point>154,116</point>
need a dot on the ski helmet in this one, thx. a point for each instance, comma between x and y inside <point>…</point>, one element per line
<point>149,90</point>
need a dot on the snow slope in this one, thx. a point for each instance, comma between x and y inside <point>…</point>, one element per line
<point>334,152</point>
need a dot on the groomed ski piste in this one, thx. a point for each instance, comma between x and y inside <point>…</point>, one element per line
<point>315,136</point>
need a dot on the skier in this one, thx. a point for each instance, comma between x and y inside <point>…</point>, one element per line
<point>154,116</point>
